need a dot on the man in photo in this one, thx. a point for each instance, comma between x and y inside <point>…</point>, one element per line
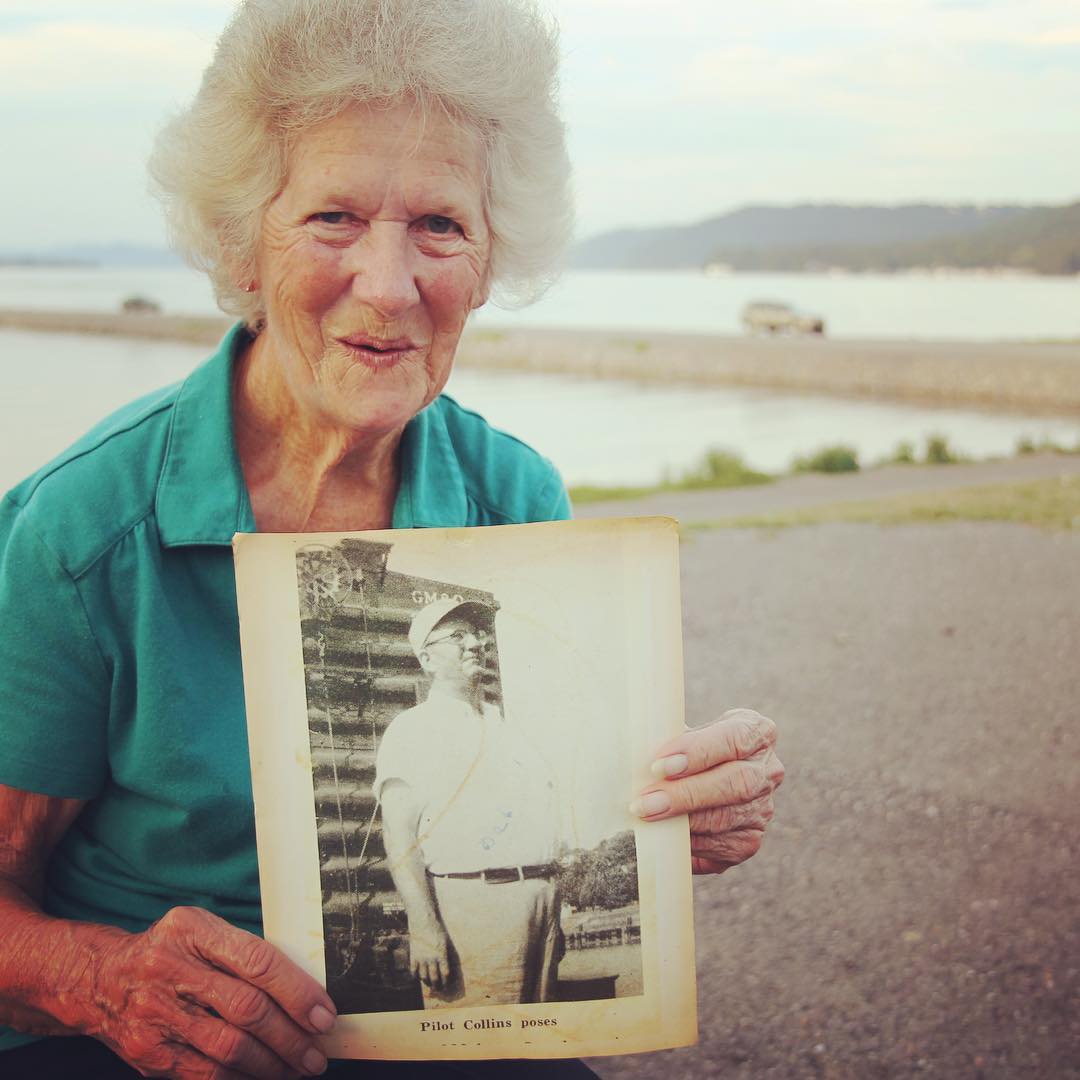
<point>469,825</point>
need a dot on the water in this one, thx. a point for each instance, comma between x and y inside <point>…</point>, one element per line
<point>178,289</point>
<point>600,432</point>
<point>610,433</point>
<point>957,308</point>
<point>923,306</point>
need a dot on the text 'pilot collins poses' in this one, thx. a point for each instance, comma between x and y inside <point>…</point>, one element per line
<point>469,820</point>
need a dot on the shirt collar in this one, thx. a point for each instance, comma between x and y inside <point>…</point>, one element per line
<point>202,497</point>
<point>431,488</point>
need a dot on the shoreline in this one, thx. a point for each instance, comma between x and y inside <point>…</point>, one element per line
<point>1002,376</point>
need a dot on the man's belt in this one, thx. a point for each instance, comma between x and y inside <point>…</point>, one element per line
<point>503,875</point>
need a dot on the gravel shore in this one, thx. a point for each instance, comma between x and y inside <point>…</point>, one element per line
<point>913,911</point>
<point>1034,377</point>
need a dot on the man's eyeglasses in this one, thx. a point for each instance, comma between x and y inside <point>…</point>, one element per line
<point>457,637</point>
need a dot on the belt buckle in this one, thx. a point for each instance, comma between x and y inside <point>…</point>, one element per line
<point>503,875</point>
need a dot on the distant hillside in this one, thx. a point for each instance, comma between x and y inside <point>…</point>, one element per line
<point>1043,241</point>
<point>811,237</point>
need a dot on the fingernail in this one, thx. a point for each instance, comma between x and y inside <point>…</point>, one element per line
<point>314,1063</point>
<point>656,802</point>
<point>664,767</point>
<point>322,1019</point>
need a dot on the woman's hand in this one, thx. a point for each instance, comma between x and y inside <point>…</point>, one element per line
<point>722,775</point>
<point>194,997</point>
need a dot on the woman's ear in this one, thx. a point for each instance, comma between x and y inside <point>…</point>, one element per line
<point>241,271</point>
<point>483,290</point>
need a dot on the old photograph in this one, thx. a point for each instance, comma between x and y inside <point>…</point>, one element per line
<point>447,877</point>
<point>474,731</point>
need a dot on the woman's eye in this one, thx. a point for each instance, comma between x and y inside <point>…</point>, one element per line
<point>331,217</point>
<point>441,226</point>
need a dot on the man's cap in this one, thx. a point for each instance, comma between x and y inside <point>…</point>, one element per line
<point>427,618</point>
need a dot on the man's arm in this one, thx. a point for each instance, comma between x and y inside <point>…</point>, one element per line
<point>428,944</point>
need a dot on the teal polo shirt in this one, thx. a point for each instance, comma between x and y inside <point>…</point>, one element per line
<point>120,678</point>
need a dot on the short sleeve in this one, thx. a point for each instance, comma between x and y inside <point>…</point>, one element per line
<point>552,502</point>
<point>397,755</point>
<point>54,686</point>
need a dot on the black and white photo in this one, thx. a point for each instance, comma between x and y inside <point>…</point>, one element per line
<point>462,720</point>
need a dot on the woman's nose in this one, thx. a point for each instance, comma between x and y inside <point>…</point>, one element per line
<point>382,270</point>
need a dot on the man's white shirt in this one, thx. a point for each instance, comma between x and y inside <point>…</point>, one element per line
<point>486,797</point>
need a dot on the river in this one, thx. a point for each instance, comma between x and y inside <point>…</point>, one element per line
<point>957,307</point>
<point>600,432</point>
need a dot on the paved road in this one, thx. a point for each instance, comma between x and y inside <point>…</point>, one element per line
<point>914,910</point>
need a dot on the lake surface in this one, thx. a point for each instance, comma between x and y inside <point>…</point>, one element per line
<point>922,306</point>
<point>603,432</point>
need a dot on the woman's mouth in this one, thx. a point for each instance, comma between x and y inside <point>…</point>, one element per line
<point>378,353</point>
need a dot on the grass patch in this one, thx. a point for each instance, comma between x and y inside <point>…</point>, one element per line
<point>1026,445</point>
<point>716,469</point>
<point>1049,504</point>
<point>720,469</point>
<point>589,493</point>
<point>938,451</point>
<point>724,469</point>
<point>829,459</point>
<point>903,454</point>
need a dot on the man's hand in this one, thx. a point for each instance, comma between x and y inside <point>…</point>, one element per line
<point>429,954</point>
<point>194,997</point>
<point>722,775</point>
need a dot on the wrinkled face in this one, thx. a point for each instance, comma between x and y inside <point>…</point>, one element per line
<point>370,260</point>
<point>454,651</point>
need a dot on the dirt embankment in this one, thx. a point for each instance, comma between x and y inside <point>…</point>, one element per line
<point>1017,376</point>
<point>1037,377</point>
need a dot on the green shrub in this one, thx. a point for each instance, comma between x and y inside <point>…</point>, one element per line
<point>904,454</point>
<point>1045,445</point>
<point>938,451</point>
<point>721,468</point>
<point>829,459</point>
<point>717,469</point>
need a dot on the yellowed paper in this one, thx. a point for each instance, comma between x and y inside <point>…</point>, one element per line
<point>488,833</point>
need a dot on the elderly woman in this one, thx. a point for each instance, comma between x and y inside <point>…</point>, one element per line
<point>356,176</point>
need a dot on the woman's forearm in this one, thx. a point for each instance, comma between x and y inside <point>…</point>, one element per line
<point>188,995</point>
<point>48,966</point>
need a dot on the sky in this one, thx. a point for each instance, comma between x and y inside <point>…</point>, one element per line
<point>677,110</point>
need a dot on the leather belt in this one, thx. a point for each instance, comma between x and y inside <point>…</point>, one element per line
<point>503,875</point>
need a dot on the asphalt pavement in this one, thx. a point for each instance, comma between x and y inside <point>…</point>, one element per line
<point>914,910</point>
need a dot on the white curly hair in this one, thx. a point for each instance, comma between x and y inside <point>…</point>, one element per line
<point>282,66</point>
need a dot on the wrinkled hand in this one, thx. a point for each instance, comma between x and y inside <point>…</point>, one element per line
<point>429,955</point>
<point>194,997</point>
<point>722,775</point>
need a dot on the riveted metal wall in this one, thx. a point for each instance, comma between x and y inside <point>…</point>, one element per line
<point>360,674</point>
